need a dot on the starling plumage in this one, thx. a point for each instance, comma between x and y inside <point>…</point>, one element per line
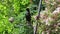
<point>28,15</point>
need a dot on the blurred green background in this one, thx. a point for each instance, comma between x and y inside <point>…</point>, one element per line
<point>17,10</point>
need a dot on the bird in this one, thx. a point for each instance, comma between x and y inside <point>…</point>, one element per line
<point>28,15</point>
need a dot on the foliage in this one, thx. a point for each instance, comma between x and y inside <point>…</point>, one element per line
<point>12,8</point>
<point>49,18</point>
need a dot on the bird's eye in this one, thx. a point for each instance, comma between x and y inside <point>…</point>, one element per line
<point>34,8</point>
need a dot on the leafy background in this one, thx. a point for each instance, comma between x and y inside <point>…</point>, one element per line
<point>17,9</point>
